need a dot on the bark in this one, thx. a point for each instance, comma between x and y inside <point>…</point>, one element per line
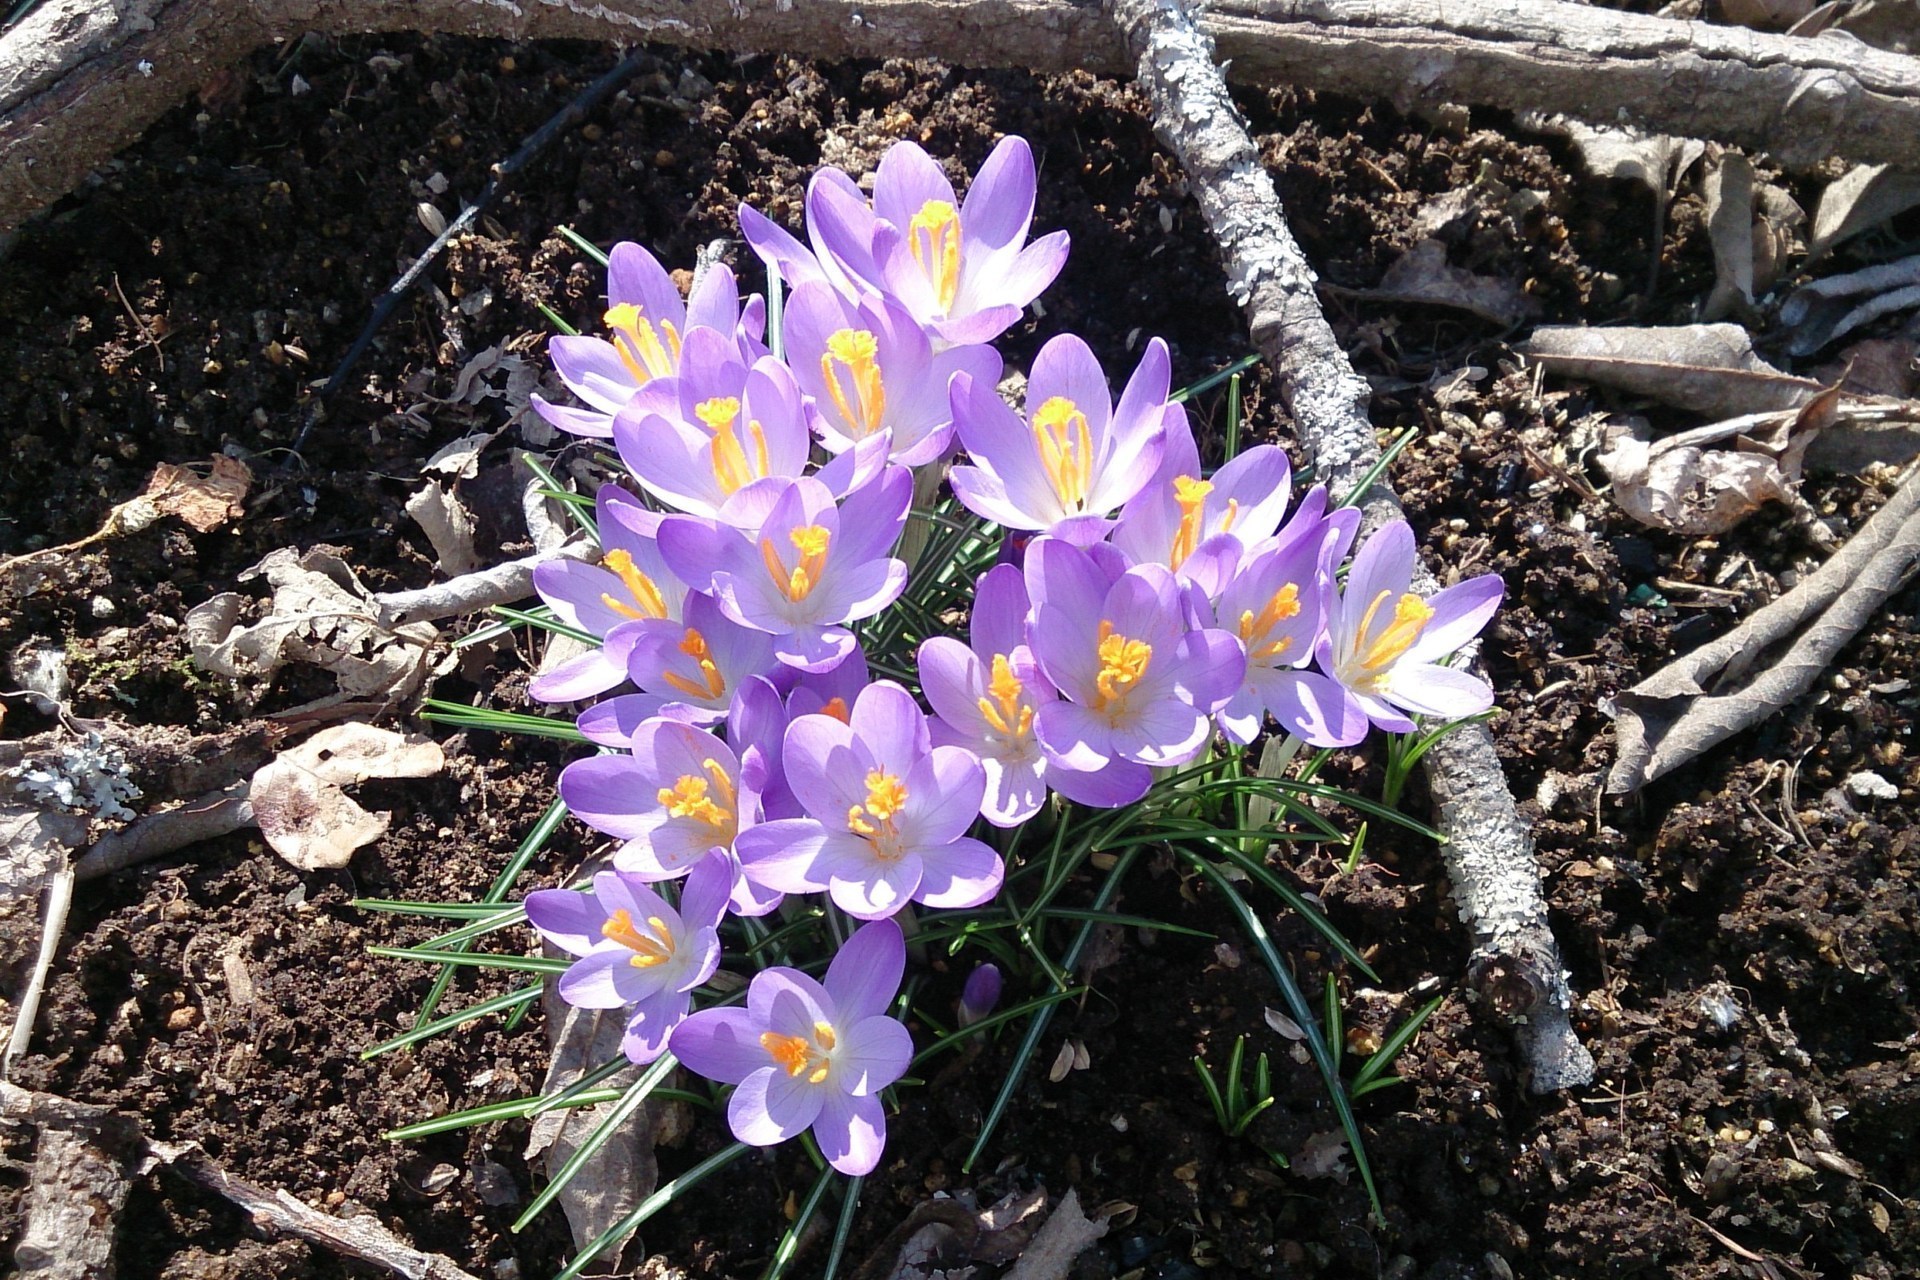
<point>83,1166</point>
<point>1488,848</point>
<point>80,79</point>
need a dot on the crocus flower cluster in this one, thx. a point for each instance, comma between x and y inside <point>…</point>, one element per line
<point>1143,609</point>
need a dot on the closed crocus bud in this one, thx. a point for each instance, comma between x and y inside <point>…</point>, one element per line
<point>980,995</point>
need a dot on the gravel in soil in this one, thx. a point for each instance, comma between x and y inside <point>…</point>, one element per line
<point>1742,933</point>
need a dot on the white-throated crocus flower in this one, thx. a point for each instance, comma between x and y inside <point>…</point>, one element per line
<point>887,813</point>
<point>870,370</point>
<point>811,1055</point>
<point>647,322</point>
<point>1139,682</point>
<point>630,584</point>
<point>635,949</point>
<point>985,697</point>
<point>1075,457</point>
<point>803,566</point>
<point>1384,643</point>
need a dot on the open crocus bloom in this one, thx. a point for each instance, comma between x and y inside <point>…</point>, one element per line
<point>985,697</point>
<point>1139,683</point>
<point>869,368</point>
<point>630,584</point>
<point>636,949</point>
<point>1077,456</point>
<point>800,567</point>
<point>647,323</point>
<point>887,814</point>
<point>810,1055</point>
<point>1384,643</point>
<point>677,798</point>
<point>1202,526</point>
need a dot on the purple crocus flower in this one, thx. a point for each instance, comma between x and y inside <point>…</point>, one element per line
<point>985,697</point>
<point>962,269</point>
<point>630,584</point>
<point>675,799</point>
<point>1076,457</point>
<point>870,369</point>
<point>809,1055</point>
<point>811,567</point>
<point>1277,604</point>
<point>1384,643</point>
<point>1140,683</point>
<point>888,812</point>
<point>647,323</point>
<point>1201,526</point>
<point>696,439</point>
<point>635,949</point>
<point>686,670</point>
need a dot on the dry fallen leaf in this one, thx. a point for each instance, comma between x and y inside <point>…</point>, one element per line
<point>1729,191</point>
<point>1423,275</point>
<point>297,798</point>
<point>320,615</point>
<point>204,502</point>
<point>1862,197</point>
<point>1826,310</point>
<point>1323,1156</point>
<point>449,527</point>
<point>1708,368</point>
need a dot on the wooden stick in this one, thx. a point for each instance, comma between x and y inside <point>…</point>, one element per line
<point>1488,848</point>
<point>80,79</point>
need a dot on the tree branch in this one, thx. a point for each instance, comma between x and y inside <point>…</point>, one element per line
<point>80,79</point>
<point>1488,849</point>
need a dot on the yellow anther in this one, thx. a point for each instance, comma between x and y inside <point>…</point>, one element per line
<point>650,947</point>
<point>732,469</point>
<point>797,583</point>
<point>692,796</point>
<point>1381,651</point>
<point>799,1055</point>
<point>1191,494</point>
<point>694,645</point>
<point>886,797</point>
<point>647,600</point>
<point>641,349</point>
<point>933,236</point>
<point>837,708</point>
<point>1122,663</point>
<point>1254,628</point>
<point>1065,441</point>
<point>1003,709</point>
<point>858,352</point>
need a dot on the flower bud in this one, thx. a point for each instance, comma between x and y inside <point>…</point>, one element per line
<point>980,995</point>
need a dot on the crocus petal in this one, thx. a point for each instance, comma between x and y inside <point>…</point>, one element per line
<point>567,918</point>
<point>962,873</point>
<point>592,370</point>
<point>1066,366</point>
<point>879,889</point>
<point>873,1051</point>
<point>593,423</point>
<point>581,676</point>
<point>1028,276</point>
<point>865,974</point>
<point>1162,732</point>
<point>608,793</point>
<point>999,204</point>
<point>852,1132</point>
<point>887,719</point>
<point>1080,739</point>
<point>944,790</point>
<point>769,1106</point>
<point>591,981</point>
<point>782,855</point>
<point>1108,787</point>
<point>1460,613</point>
<point>720,1044</point>
<point>1446,693</point>
<point>1313,708</point>
<point>613,722</point>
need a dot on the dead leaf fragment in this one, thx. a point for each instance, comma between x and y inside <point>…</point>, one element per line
<point>1827,310</point>
<point>449,527</point>
<point>1708,368</point>
<point>32,843</point>
<point>1323,1156</point>
<point>1862,197</point>
<point>1068,1232</point>
<point>1423,275</point>
<point>297,798</point>
<point>1730,227</point>
<point>204,502</point>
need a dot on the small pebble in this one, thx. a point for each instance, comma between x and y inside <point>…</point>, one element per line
<point>182,1018</point>
<point>1871,786</point>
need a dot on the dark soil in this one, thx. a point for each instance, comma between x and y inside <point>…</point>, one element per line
<point>1742,934</point>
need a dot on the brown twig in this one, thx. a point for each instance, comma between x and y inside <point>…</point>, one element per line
<point>1673,715</point>
<point>1488,847</point>
<point>155,835</point>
